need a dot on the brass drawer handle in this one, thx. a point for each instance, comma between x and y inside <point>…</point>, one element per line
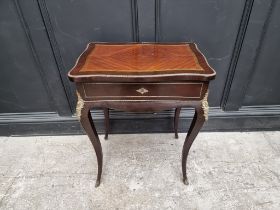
<point>142,90</point>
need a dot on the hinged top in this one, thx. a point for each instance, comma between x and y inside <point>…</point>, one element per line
<point>141,62</point>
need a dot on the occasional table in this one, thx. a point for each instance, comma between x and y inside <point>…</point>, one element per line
<point>141,77</point>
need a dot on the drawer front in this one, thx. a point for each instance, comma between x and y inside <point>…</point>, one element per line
<point>142,91</point>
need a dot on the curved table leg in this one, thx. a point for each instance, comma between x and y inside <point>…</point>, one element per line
<point>197,123</point>
<point>88,125</point>
<point>176,121</point>
<point>106,122</point>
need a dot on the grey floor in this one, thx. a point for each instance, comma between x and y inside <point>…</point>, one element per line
<point>141,171</point>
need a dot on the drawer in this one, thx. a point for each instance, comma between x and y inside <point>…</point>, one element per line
<point>142,91</point>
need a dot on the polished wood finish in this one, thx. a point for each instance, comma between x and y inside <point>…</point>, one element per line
<point>140,58</point>
<point>141,62</point>
<point>141,77</point>
<point>121,91</point>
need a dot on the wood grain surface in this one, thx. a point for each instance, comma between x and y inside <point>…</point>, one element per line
<point>128,60</point>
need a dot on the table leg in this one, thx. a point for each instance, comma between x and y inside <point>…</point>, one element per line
<point>176,121</point>
<point>106,122</point>
<point>83,112</point>
<point>197,123</point>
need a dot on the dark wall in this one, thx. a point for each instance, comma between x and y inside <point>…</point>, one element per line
<point>255,79</point>
<point>263,87</point>
<point>40,41</point>
<point>22,87</point>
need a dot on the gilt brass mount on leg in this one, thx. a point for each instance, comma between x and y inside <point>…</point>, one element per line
<point>80,106</point>
<point>205,105</point>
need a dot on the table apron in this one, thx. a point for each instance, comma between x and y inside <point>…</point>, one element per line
<point>143,91</point>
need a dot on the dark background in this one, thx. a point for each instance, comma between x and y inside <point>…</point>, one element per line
<point>41,39</point>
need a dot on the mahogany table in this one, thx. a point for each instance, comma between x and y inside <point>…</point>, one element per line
<point>141,77</point>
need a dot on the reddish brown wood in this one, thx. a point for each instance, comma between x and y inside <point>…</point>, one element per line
<point>141,77</point>
<point>141,62</point>
<point>140,58</point>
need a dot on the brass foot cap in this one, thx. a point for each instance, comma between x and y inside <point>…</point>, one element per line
<point>97,183</point>
<point>185,180</point>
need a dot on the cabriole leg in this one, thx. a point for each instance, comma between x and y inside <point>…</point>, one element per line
<point>199,118</point>
<point>106,122</point>
<point>83,113</point>
<point>176,121</point>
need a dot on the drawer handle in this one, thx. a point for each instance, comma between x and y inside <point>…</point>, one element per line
<point>142,90</point>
